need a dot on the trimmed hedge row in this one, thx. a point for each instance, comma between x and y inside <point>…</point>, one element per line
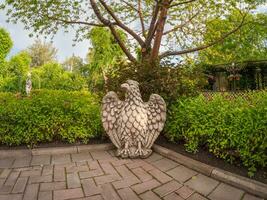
<point>49,115</point>
<point>231,128</point>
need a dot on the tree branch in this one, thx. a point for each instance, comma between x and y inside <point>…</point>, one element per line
<point>130,5</point>
<point>120,24</point>
<point>113,31</point>
<point>75,22</point>
<point>152,26</point>
<point>181,3</point>
<point>173,53</point>
<point>140,13</point>
<point>181,25</point>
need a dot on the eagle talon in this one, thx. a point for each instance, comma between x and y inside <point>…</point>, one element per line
<point>125,153</point>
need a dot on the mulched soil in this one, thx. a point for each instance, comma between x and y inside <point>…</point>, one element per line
<point>206,157</point>
<point>202,155</point>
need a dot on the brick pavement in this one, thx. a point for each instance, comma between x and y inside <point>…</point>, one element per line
<point>99,175</point>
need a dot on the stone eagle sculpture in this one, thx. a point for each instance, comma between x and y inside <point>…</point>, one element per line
<point>133,125</point>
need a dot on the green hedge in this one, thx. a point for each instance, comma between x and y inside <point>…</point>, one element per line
<point>49,115</point>
<point>231,128</point>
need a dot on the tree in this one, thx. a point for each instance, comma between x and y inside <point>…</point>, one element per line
<point>152,25</point>
<point>5,44</point>
<point>16,72</point>
<point>248,44</point>
<point>41,53</point>
<point>73,64</point>
<point>104,55</point>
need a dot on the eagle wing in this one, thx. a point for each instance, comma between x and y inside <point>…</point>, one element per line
<point>111,108</point>
<point>156,112</point>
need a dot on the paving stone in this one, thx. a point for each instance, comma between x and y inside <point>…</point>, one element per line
<point>226,192</point>
<point>202,184</point>
<point>11,197</point>
<point>96,197</point>
<point>165,164</point>
<point>160,176</point>
<point>2,182</point>
<point>45,195</point>
<point>148,185</point>
<point>173,196</point>
<point>100,155</point>
<point>6,162</point>
<point>94,165</point>
<point>124,171</point>
<point>41,160</point>
<point>59,173</point>
<point>128,194</point>
<point>108,193</point>
<point>149,195</point>
<point>73,180</point>
<point>73,169</point>
<point>12,178</point>
<point>89,187</point>
<point>79,157</point>
<point>61,159</point>
<point>40,179</point>
<point>108,168</point>
<point>121,162</point>
<point>154,157</point>
<point>68,194</point>
<point>136,163</point>
<point>6,189</point>
<point>5,173</point>
<point>52,186</point>
<point>250,197</point>
<point>20,185</point>
<point>30,173</point>
<point>181,173</point>
<point>22,169</point>
<point>22,162</point>
<point>185,192</point>
<point>47,170</point>
<point>197,196</point>
<point>31,192</point>
<point>106,179</point>
<point>142,174</point>
<point>92,173</point>
<point>167,188</point>
<point>127,182</point>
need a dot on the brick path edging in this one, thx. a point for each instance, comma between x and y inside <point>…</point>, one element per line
<point>241,182</point>
<point>55,150</point>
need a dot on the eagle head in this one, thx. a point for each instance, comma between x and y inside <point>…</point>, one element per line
<point>131,87</point>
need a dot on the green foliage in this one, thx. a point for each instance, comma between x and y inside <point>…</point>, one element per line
<point>231,128</point>
<point>53,76</point>
<point>103,56</point>
<point>41,53</point>
<point>13,74</point>
<point>248,43</point>
<point>49,116</point>
<point>5,44</point>
<point>74,64</point>
<point>170,82</point>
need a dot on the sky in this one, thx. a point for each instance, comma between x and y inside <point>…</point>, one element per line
<point>62,41</point>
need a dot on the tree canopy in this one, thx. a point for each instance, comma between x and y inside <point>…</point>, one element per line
<point>160,28</point>
<point>248,44</point>
<point>5,44</point>
<point>41,53</point>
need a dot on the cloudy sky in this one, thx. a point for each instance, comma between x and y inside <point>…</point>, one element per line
<point>62,41</point>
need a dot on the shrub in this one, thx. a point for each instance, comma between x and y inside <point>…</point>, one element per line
<point>49,115</point>
<point>231,128</point>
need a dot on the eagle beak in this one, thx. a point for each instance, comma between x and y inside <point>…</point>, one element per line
<point>125,86</point>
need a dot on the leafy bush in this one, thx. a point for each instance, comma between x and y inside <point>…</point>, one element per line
<point>49,115</point>
<point>231,128</point>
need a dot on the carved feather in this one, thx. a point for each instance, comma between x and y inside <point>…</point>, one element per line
<point>156,108</point>
<point>111,108</point>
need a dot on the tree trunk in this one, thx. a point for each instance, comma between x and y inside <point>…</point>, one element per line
<point>159,31</point>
